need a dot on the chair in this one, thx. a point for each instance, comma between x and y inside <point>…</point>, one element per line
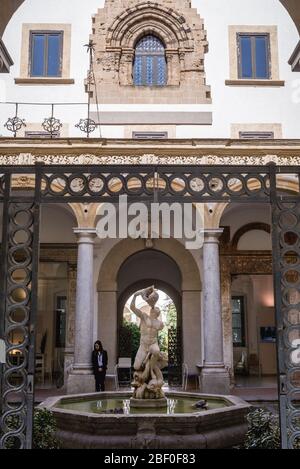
<point>185,376</point>
<point>40,367</point>
<point>124,363</point>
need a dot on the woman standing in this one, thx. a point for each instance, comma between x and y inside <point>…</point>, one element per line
<point>99,361</point>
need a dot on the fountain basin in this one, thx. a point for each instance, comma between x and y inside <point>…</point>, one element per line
<point>86,421</point>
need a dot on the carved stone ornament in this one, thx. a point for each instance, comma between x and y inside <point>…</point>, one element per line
<point>88,158</point>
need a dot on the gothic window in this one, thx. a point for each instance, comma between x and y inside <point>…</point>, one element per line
<point>150,66</point>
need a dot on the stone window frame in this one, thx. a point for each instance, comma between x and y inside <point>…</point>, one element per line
<point>25,75</point>
<point>115,34</point>
<point>272,32</point>
<point>128,28</point>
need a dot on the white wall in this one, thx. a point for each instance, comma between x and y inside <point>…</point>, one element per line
<point>230,104</point>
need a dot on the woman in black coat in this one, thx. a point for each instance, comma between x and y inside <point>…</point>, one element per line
<point>99,362</point>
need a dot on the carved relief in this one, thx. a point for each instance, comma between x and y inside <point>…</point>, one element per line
<point>188,159</point>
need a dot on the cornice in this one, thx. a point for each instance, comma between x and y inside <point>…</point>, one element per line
<point>170,152</point>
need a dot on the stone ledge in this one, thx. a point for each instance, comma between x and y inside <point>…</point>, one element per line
<point>44,81</point>
<point>242,82</point>
<point>152,118</point>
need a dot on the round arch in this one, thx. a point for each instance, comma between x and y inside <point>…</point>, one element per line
<point>184,290</point>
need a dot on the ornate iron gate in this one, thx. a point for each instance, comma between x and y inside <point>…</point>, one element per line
<point>65,184</point>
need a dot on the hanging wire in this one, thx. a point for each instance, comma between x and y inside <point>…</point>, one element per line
<point>88,125</point>
<point>95,86</point>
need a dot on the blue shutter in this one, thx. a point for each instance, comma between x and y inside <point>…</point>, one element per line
<point>54,55</point>
<point>261,52</point>
<point>246,57</point>
<point>38,55</point>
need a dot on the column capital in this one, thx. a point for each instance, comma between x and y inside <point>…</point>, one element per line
<point>212,235</point>
<point>87,234</point>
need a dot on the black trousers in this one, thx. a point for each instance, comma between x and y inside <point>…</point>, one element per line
<point>100,380</point>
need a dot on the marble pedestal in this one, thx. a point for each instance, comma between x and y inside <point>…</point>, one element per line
<point>215,380</point>
<point>80,382</point>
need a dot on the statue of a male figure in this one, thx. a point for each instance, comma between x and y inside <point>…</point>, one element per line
<point>149,360</point>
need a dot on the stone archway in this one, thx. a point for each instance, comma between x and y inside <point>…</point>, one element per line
<point>190,290</point>
<point>140,270</point>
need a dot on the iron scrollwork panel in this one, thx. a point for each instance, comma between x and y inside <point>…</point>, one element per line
<point>20,235</point>
<point>286,252</point>
<point>204,184</point>
<point>59,184</point>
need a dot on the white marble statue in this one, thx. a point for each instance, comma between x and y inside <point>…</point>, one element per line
<point>149,360</point>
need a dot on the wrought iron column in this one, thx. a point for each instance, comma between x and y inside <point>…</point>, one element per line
<point>286,265</point>
<point>18,315</point>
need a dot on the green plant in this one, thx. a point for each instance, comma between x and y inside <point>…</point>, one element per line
<point>263,431</point>
<point>135,337</point>
<point>44,429</point>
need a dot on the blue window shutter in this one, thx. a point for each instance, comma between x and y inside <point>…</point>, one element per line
<point>261,52</point>
<point>38,55</point>
<point>246,57</point>
<point>54,55</point>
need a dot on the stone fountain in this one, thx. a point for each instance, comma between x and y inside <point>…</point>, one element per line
<point>148,419</point>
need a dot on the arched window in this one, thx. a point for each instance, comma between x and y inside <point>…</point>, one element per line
<point>150,66</point>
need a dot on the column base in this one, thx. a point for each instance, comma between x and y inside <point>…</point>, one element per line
<point>215,380</point>
<point>80,382</point>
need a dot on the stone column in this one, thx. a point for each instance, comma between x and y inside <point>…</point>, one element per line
<point>214,376</point>
<point>81,378</point>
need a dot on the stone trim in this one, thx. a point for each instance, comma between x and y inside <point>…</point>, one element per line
<point>44,81</point>
<point>25,53</point>
<point>153,118</point>
<point>233,55</point>
<point>243,82</point>
<point>256,127</point>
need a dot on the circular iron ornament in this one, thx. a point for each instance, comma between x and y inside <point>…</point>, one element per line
<point>14,124</point>
<point>178,184</point>
<point>52,125</point>
<point>17,311</point>
<point>115,184</point>
<point>197,185</point>
<point>57,184</point>
<point>96,184</point>
<point>134,184</point>
<point>216,184</point>
<point>235,184</point>
<point>77,184</point>
<point>86,125</point>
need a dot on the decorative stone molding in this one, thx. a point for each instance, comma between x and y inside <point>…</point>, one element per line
<point>182,158</point>
<point>117,28</point>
